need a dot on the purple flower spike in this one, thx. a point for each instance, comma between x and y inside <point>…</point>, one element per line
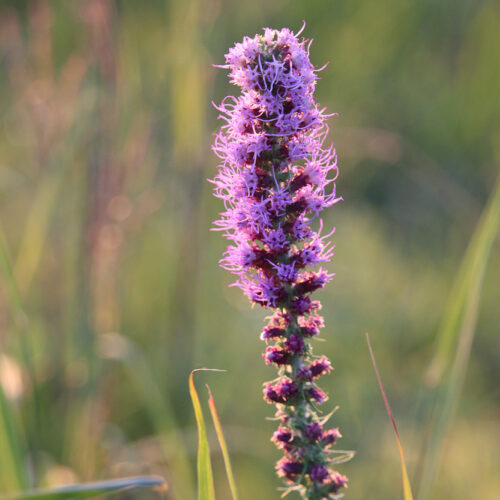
<point>275,177</point>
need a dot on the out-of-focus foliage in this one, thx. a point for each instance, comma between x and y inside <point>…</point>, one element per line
<point>96,489</point>
<point>111,294</point>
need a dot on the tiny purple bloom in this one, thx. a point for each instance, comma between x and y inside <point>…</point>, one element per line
<point>276,355</point>
<point>330,436</point>
<point>294,344</point>
<point>317,394</point>
<point>289,468</point>
<point>319,473</point>
<point>314,431</point>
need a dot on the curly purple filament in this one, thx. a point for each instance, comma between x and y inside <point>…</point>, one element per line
<point>275,177</point>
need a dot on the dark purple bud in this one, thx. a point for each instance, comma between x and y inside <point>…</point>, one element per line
<point>297,206</point>
<point>264,179</point>
<point>313,281</point>
<point>289,468</point>
<point>287,389</point>
<point>304,374</point>
<point>276,355</point>
<point>262,260</point>
<point>299,181</point>
<point>314,431</point>
<point>272,332</point>
<point>317,394</point>
<point>294,344</point>
<point>282,438</point>
<point>281,392</point>
<point>318,473</point>
<point>271,395</point>
<point>309,332</point>
<point>330,437</point>
<point>336,481</point>
<point>301,305</point>
<point>319,367</point>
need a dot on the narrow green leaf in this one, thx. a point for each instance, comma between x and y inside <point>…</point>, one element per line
<point>12,450</point>
<point>92,489</point>
<point>466,286</point>
<point>206,489</point>
<point>37,227</point>
<point>456,337</point>
<point>12,474</point>
<point>223,444</point>
<point>406,482</point>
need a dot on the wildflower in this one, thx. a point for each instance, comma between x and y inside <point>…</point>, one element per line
<point>275,177</point>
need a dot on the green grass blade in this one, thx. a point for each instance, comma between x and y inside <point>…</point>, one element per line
<point>92,489</point>
<point>12,473</point>
<point>206,489</point>
<point>406,482</point>
<point>459,337</point>
<point>37,227</point>
<point>468,281</point>
<point>12,450</point>
<point>223,444</point>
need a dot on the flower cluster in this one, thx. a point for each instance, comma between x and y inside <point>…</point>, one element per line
<point>275,177</point>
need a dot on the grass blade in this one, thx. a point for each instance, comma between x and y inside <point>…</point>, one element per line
<point>91,489</point>
<point>223,444</point>
<point>12,449</point>
<point>37,228</point>
<point>467,285</point>
<point>406,482</point>
<point>12,473</point>
<point>206,489</point>
<point>457,335</point>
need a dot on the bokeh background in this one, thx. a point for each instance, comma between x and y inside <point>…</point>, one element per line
<point>110,292</point>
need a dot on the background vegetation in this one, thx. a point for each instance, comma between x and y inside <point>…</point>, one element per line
<point>110,293</point>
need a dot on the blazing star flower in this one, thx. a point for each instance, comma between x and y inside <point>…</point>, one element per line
<point>275,177</point>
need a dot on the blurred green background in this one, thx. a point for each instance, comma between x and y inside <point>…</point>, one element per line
<point>110,292</point>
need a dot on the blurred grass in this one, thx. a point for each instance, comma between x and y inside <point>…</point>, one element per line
<point>105,129</point>
<point>93,489</point>
<point>12,451</point>
<point>454,340</point>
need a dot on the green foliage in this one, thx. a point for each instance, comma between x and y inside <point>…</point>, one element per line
<point>12,450</point>
<point>454,340</point>
<point>93,489</point>
<point>205,477</point>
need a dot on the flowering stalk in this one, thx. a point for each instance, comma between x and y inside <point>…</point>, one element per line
<point>273,180</point>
